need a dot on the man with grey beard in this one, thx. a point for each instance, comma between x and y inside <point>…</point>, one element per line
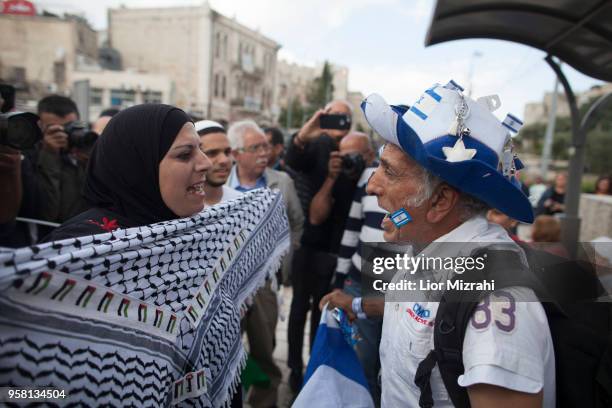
<point>251,149</point>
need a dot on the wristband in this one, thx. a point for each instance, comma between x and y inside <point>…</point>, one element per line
<point>356,306</point>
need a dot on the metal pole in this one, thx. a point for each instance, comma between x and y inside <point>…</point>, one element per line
<point>570,221</point>
<point>599,104</point>
<point>550,131</point>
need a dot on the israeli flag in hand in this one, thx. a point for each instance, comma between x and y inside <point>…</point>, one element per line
<point>334,377</point>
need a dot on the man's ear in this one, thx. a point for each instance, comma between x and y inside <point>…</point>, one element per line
<point>442,202</point>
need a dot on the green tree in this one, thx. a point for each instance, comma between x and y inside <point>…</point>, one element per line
<point>598,139</point>
<point>293,119</point>
<point>321,89</point>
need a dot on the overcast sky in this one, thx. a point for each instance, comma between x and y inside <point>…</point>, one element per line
<point>380,41</point>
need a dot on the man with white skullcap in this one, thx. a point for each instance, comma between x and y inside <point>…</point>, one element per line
<point>215,144</point>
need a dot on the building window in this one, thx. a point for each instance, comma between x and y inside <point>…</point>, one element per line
<point>95,96</point>
<point>122,97</point>
<point>216,85</point>
<point>152,97</point>
<point>59,72</point>
<point>218,45</point>
<point>225,47</point>
<point>223,87</point>
<point>16,74</point>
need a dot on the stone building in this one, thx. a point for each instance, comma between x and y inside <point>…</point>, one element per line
<point>40,53</point>
<point>537,112</point>
<point>221,69</point>
<point>359,121</point>
<point>122,89</point>
<point>294,82</point>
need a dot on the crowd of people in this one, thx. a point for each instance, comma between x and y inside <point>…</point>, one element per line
<point>74,190</point>
<point>338,194</point>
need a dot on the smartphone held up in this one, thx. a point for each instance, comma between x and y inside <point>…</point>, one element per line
<point>335,121</point>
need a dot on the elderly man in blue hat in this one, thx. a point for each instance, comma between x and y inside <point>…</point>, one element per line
<point>448,160</point>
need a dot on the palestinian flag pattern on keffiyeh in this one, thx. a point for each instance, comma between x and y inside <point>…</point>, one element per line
<point>146,316</point>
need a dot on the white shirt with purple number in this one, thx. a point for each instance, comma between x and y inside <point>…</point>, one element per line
<point>507,342</point>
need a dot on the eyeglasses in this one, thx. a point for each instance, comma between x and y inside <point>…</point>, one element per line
<point>260,147</point>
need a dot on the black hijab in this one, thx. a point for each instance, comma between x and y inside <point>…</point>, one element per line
<point>123,171</point>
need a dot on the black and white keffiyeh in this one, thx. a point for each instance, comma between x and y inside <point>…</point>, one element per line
<point>146,316</point>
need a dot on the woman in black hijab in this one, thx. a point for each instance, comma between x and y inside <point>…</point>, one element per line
<point>146,167</point>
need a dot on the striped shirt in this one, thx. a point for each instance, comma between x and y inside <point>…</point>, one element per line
<point>362,225</point>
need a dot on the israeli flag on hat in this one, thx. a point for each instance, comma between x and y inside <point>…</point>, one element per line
<point>456,138</point>
<point>334,377</point>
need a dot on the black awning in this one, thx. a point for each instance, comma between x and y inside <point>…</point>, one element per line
<point>579,32</point>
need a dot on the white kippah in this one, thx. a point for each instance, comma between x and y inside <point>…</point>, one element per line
<point>204,125</point>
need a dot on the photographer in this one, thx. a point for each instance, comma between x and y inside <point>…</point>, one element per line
<point>19,134</point>
<point>314,263</point>
<point>355,154</point>
<point>63,158</point>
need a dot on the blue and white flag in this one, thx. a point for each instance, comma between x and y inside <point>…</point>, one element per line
<point>334,377</point>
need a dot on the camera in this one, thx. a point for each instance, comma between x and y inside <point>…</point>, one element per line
<point>332,121</point>
<point>353,164</point>
<point>19,130</point>
<point>80,135</point>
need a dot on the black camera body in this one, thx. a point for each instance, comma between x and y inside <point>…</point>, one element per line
<point>353,164</point>
<point>80,135</point>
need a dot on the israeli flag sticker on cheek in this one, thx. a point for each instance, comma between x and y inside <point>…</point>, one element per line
<point>400,217</point>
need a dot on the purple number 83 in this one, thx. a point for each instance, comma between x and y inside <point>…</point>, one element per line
<point>482,314</point>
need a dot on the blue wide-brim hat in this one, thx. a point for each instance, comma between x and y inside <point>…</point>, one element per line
<point>427,132</point>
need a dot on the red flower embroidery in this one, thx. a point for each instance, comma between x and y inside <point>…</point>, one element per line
<point>106,225</point>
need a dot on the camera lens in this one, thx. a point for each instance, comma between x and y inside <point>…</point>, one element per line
<point>79,135</point>
<point>20,130</point>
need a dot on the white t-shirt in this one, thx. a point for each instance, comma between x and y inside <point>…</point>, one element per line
<point>507,342</point>
<point>229,193</point>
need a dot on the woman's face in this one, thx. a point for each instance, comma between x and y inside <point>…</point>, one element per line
<point>182,173</point>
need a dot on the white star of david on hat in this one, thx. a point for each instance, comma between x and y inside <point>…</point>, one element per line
<point>458,152</point>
